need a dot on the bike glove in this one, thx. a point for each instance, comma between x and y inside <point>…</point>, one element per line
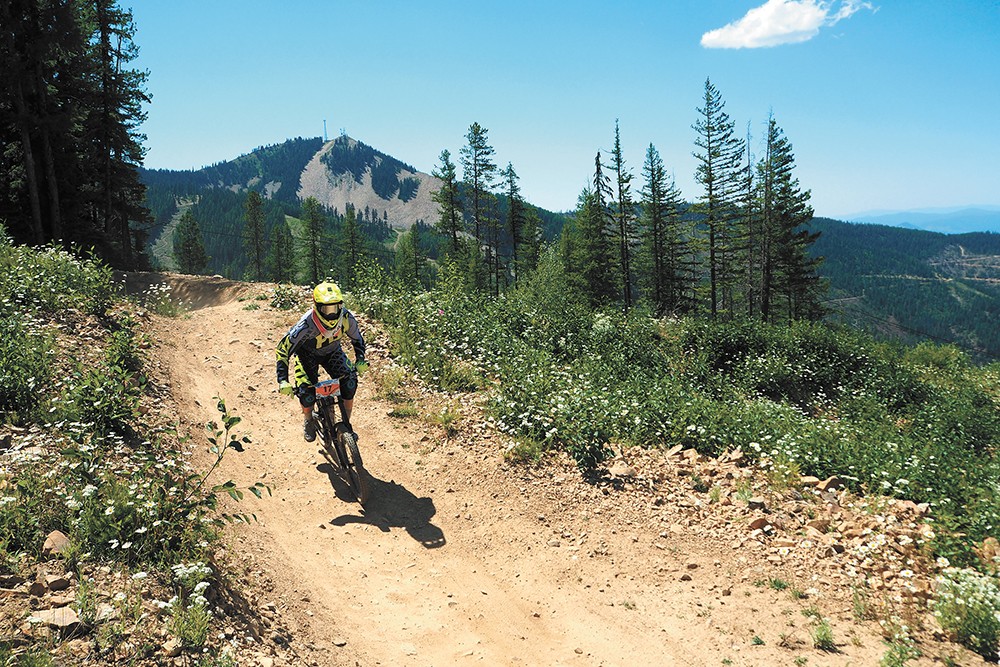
<point>286,388</point>
<point>361,367</point>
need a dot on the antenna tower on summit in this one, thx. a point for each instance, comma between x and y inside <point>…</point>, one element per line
<point>324,130</point>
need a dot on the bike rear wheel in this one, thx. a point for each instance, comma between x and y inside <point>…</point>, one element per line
<point>357,476</point>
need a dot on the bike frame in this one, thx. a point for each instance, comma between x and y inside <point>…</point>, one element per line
<point>339,441</point>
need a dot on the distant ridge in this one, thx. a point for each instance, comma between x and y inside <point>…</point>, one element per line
<point>337,173</point>
<point>945,220</point>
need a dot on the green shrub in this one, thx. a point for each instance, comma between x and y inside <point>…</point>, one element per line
<point>103,397</point>
<point>285,297</point>
<point>967,604</point>
<point>50,280</point>
<point>24,368</point>
<point>30,507</point>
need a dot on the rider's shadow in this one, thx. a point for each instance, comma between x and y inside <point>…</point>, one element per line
<point>390,505</point>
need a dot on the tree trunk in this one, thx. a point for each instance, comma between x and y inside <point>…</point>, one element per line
<point>37,234</point>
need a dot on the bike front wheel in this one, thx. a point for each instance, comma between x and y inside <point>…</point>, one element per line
<point>357,476</point>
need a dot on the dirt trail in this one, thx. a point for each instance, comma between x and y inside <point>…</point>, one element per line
<point>460,558</point>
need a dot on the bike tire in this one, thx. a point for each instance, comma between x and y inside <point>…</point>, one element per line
<point>357,476</point>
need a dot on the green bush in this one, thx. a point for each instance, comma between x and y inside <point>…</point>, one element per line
<point>51,280</point>
<point>967,604</point>
<point>24,368</point>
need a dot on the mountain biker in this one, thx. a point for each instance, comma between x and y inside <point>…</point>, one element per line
<point>316,340</point>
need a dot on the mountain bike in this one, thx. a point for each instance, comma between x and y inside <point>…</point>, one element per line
<point>340,443</point>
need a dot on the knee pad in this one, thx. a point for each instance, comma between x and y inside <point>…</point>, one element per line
<point>348,387</point>
<point>307,397</point>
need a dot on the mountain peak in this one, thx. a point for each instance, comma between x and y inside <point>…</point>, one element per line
<point>347,171</point>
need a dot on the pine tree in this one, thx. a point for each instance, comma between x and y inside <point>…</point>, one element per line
<point>189,245</point>
<point>410,260</point>
<point>281,260</point>
<point>624,215</point>
<point>479,170</point>
<point>668,274</point>
<point>718,172</point>
<point>515,213</point>
<point>313,239</point>
<point>353,245</point>
<point>113,126</point>
<point>589,251</point>
<point>254,240</point>
<point>788,269</point>
<point>531,242</point>
<point>450,221</point>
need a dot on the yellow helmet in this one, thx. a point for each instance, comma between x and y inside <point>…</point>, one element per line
<point>328,303</point>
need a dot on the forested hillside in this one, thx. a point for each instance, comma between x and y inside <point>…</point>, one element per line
<point>914,285</point>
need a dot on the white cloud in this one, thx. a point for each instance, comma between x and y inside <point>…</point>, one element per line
<point>779,22</point>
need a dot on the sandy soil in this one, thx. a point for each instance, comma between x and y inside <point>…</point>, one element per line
<point>461,558</point>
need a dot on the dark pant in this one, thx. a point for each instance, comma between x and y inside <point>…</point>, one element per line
<point>335,366</point>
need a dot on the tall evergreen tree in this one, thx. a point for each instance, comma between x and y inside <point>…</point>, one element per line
<point>748,204</point>
<point>718,172</point>
<point>410,260</point>
<point>189,245</point>
<point>788,269</point>
<point>669,265</point>
<point>313,239</point>
<point>353,245</point>
<point>114,139</point>
<point>450,221</point>
<point>531,242</point>
<point>589,251</point>
<point>479,172</point>
<point>281,259</point>
<point>515,212</point>
<point>624,215</point>
<point>254,240</point>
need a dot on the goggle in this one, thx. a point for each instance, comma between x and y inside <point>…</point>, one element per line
<point>330,309</point>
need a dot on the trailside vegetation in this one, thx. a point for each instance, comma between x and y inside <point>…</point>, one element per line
<point>93,460</point>
<point>917,423</point>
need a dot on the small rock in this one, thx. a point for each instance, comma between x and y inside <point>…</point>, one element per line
<point>759,523</point>
<point>822,525</point>
<point>59,618</point>
<point>56,582</point>
<point>173,647</point>
<point>37,589</point>
<point>757,503</point>
<point>833,483</point>
<point>340,641</point>
<point>622,469</point>
<point>55,543</point>
<point>10,580</point>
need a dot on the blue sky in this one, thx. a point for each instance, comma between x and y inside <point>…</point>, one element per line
<point>889,105</point>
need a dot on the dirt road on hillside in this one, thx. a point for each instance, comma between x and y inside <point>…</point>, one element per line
<point>460,558</point>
